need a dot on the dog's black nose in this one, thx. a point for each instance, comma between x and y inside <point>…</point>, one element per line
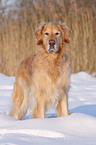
<point>51,42</point>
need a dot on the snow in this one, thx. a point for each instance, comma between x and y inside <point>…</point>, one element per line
<point>7,6</point>
<point>78,128</point>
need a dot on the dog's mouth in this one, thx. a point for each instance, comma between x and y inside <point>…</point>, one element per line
<point>52,48</point>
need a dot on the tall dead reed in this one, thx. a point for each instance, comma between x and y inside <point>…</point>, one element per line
<point>17,36</point>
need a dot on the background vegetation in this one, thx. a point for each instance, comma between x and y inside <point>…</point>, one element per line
<point>17,34</point>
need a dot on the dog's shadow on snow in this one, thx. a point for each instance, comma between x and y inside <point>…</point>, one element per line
<point>47,115</point>
<point>86,109</point>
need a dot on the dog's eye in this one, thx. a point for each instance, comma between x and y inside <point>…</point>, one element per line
<point>57,33</point>
<point>46,33</point>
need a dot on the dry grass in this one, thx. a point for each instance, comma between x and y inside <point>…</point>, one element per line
<point>17,38</point>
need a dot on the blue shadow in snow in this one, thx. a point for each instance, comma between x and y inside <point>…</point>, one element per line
<point>47,115</point>
<point>86,109</point>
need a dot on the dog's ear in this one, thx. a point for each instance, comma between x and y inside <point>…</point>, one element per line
<point>66,32</point>
<point>39,32</point>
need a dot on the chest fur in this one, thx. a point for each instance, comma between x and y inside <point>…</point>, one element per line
<point>51,80</point>
<point>51,87</point>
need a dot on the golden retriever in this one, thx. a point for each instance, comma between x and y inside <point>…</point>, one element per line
<point>42,80</point>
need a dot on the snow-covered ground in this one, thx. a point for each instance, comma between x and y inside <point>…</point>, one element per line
<point>79,128</point>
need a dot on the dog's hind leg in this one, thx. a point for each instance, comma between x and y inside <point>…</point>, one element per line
<point>20,104</point>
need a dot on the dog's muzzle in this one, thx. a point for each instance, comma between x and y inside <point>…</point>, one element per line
<point>51,45</point>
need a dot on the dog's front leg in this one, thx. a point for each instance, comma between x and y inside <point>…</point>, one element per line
<point>39,109</point>
<point>62,107</point>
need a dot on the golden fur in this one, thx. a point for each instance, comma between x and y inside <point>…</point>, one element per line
<point>42,80</point>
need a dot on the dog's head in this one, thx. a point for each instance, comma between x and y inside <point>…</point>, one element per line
<point>52,35</point>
